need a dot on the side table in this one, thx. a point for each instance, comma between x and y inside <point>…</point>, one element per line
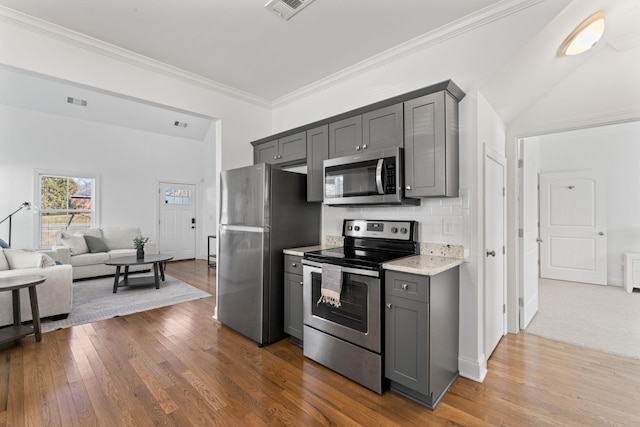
<point>18,330</point>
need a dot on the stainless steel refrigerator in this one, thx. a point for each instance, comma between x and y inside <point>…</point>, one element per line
<point>263,210</point>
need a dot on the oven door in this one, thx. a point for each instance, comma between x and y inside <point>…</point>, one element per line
<point>358,319</point>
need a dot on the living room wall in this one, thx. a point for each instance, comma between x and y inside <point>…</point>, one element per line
<point>129,163</point>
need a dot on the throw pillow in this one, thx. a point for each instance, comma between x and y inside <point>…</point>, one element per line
<point>19,259</point>
<point>4,244</point>
<point>76,243</point>
<point>47,261</point>
<point>96,244</point>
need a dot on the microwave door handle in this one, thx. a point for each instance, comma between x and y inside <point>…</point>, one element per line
<point>379,169</point>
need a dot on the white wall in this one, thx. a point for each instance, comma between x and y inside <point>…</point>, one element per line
<point>129,164</point>
<point>613,150</point>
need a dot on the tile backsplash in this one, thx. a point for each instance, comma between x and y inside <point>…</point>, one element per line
<point>441,220</point>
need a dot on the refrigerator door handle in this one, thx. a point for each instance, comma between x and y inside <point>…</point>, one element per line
<point>244,228</point>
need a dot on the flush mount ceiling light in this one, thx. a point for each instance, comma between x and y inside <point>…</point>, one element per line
<point>584,37</point>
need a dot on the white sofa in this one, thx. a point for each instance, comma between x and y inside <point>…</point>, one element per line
<point>54,294</point>
<point>86,250</point>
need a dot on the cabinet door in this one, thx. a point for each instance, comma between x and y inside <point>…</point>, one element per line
<point>317,152</point>
<point>431,146</point>
<point>345,137</point>
<point>383,128</point>
<point>292,147</point>
<point>407,343</point>
<point>293,305</point>
<point>266,152</point>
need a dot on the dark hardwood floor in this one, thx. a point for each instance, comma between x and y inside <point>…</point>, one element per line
<point>177,366</point>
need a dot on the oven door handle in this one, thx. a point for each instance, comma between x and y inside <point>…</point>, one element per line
<point>350,270</point>
<point>379,171</point>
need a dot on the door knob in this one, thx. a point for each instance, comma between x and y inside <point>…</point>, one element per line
<point>389,305</point>
<point>301,283</point>
<point>491,253</point>
<point>357,148</point>
<point>408,188</point>
<point>364,146</point>
<point>293,264</point>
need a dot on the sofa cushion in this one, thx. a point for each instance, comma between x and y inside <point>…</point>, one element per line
<point>19,259</point>
<point>4,265</point>
<point>75,242</point>
<point>117,253</point>
<point>96,232</point>
<point>89,259</point>
<point>120,237</point>
<point>96,244</point>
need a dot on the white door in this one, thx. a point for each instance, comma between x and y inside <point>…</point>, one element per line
<point>494,260</point>
<point>573,227</point>
<point>529,250</point>
<point>177,228</point>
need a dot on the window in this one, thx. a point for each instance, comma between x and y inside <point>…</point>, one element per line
<point>174,196</point>
<point>66,203</point>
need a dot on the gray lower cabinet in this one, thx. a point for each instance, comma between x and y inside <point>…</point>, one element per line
<point>317,152</point>
<point>375,130</point>
<point>421,334</point>
<point>289,149</point>
<point>431,158</point>
<point>293,296</point>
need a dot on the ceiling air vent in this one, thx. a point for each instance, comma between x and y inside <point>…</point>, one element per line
<point>77,101</point>
<point>287,8</point>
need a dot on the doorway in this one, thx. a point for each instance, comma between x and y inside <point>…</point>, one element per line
<point>177,220</point>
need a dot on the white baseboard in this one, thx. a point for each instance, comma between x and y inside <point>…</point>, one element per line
<point>472,369</point>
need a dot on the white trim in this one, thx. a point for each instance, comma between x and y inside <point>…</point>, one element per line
<point>100,47</point>
<point>468,23</point>
<point>472,369</point>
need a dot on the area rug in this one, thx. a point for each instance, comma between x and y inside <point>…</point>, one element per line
<point>604,318</point>
<point>94,300</point>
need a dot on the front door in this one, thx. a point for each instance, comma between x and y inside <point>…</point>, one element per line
<point>177,229</point>
<point>494,260</point>
<point>573,227</point>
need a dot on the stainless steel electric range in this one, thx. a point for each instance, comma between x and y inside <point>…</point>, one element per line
<point>349,339</point>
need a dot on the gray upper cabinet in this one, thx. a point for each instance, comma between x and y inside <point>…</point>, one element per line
<point>375,130</point>
<point>345,137</point>
<point>431,146</point>
<point>317,152</point>
<point>382,128</point>
<point>289,149</point>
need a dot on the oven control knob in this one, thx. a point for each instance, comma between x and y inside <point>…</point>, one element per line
<point>403,230</point>
<point>350,227</point>
<point>357,228</point>
<point>394,229</point>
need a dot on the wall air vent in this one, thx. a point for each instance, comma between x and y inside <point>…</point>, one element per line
<point>287,8</point>
<point>180,124</point>
<point>77,101</point>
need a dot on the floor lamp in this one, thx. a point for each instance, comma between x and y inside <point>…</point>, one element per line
<point>24,205</point>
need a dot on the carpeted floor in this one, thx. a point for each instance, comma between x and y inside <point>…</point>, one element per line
<point>605,318</point>
<point>94,300</point>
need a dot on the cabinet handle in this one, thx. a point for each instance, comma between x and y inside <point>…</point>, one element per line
<point>293,264</point>
<point>357,148</point>
<point>405,286</point>
<point>389,305</point>
<point>301,283</point>
<point>275,157</point>
<point>408,188</point>
<point>364,146</point>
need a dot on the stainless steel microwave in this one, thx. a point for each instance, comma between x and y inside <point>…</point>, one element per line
<point>374,178</point>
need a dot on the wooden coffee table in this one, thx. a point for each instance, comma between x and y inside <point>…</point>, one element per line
<point>158,261</point>
<point>18,330</point>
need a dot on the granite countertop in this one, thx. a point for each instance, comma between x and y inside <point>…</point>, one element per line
<point>302,250</point>
<point>425,265</point>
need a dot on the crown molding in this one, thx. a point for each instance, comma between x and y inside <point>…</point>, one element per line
<point>425,41</point>
<point>99,47</point>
